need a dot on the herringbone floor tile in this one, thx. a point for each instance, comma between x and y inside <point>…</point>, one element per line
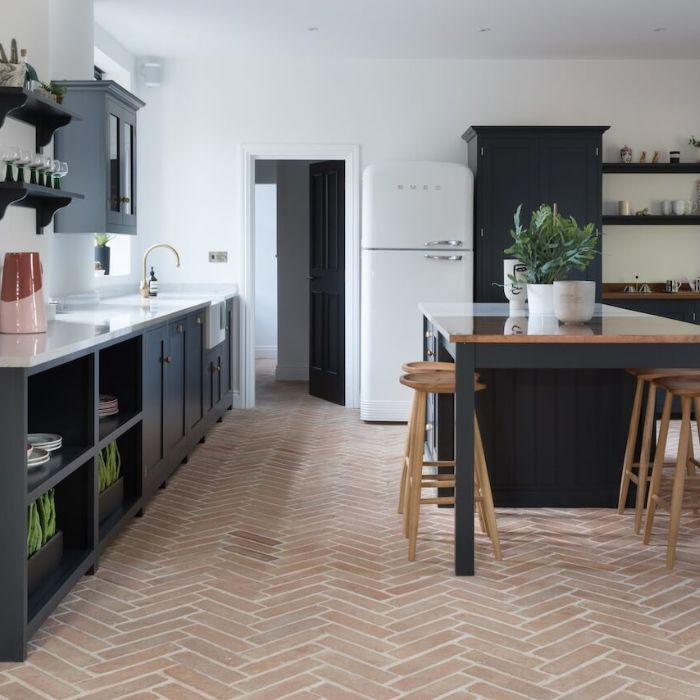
<point>273,566</point>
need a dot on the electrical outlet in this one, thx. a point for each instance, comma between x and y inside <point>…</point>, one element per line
<point>218,256</point>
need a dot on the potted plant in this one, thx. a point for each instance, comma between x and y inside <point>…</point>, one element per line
<point>696,143</point>
<point>102,251</point>
<point>109,481</point>
<point>44,542</point>
<point>550,247</point>
<point>57,92</point>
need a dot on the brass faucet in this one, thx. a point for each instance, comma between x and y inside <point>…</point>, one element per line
<point>143,287</point>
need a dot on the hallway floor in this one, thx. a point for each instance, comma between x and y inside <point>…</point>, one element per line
<point>273,566</point>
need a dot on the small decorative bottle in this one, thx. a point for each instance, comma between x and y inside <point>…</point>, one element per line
<point>152,285</point>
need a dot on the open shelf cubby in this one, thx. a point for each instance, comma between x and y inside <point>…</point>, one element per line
<point>129,445</point>
<point>61,401</point>
<point>120,376</point>
<point>74,498</point>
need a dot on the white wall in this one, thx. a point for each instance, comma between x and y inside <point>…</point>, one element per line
<point>393,109</point>
<point>293,269</point>
<point>266,271</point>
<point>58,38</point>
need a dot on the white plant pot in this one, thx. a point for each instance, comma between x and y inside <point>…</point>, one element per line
<point>574,301</point>
<point>515,293</point>
<point>540,299</point>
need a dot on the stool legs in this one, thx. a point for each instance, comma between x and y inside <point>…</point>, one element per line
<point>406,453</point>
<point>631,445</point>
<point>643,469</point>
<point>657,470</point>
<point>415,473</point>
<point>679,482</point>
<point>487,510</point>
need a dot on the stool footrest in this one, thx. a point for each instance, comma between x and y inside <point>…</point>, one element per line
<point>438,501</point>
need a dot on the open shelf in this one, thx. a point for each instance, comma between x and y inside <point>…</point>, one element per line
<point>31,108</point>
<point>46,200</point>
<point>74,498</point>
<point>652,220</point>
<point>131,472</point>
<point>651,168</point>
<point>111,427</point>
<point>62,463</point>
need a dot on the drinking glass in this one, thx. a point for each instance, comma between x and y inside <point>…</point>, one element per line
<point>35,165</point>
<point>9,155</point>
<point>49,173</point>
<point>25,158</point>
<point>61,173</point>
<point>44,169</point>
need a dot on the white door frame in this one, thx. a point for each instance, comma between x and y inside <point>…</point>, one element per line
<point>351,155</point>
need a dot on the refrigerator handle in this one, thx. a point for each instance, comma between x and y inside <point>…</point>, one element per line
<point>452,244</point>
<point>444,257</point>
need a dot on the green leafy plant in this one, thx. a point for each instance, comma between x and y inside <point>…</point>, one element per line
<point>41,522</point>
<point>694,142</point>
<point>54,89</point>
<point>102,239</point>
<point>552,245</point>
<point>109,463</point>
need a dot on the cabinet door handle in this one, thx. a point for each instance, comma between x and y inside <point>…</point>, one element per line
<point>451,244</point>
<point>216,368</point>
<point>179,328</point>
<point>429,353</point>
<point>125,200</point>
<point>452,258</point>
<point>167,359</point>
<point>199,320</point>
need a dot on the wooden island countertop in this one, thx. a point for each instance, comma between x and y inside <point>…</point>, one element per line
<point>491,323</point>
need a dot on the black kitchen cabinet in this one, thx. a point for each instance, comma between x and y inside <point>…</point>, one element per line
<point>164,394</point>
<point>101,154</point>
<point>677,309</point>
<point>530,166</point>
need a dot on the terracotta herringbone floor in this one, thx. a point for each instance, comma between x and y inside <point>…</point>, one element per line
<point>273,566</point>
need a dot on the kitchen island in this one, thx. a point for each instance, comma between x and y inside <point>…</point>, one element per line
<point>484,338</point>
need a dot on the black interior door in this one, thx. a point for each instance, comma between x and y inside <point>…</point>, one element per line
<point>327,283</point>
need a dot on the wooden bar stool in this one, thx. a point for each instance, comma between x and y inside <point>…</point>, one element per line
<point>684,478</point>
<point>440,382</point>
<point>638,472</point>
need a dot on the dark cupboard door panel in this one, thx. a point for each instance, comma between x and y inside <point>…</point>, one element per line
<point>505,180</point>
<point>194,407</point>
<point>153,342</point>
<point>174,378</point>
<point>570,175</point>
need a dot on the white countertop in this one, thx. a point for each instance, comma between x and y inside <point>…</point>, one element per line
<point>90,326</point>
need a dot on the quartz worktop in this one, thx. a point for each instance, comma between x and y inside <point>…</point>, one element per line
<point>492,323</point>
<point>92,325</point>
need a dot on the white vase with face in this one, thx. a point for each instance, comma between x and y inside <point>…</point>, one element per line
<point>540,299</point>
<point>515,293</point>
<point>574,301</point>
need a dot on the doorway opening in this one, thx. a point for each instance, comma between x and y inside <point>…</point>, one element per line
<point>301,268</point>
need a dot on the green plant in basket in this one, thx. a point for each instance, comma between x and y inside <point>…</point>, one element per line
<point>108,466</point>
<point>41,522</point>
<point>551,245</point>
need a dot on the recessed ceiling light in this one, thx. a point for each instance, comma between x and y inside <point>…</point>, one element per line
<point>659,29</point>
<point>312,29</point>
<point>484,29</point>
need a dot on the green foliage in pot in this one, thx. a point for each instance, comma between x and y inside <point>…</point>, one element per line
<point>551,245</point>
<point>102,239</point>
<point>41,522</point>
<point>109,463</point>
<point>58,91</point>
<point>694,142</point>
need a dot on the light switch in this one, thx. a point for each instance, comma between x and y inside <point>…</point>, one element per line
<point>218,256</point>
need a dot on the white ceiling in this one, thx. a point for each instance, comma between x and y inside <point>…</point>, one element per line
<point>400,29</point>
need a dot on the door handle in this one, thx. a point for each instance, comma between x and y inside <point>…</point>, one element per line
<point>312,277</point>
<point>199,320</point>
<point>167,359</point>
<point>179,328</point>
<point>452,244</point>
<point>444,257</point>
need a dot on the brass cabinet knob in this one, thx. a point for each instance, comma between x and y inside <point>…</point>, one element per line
<point>179,328</point>
<point>430,353</point>
<point>167,359</point>
<point>216,368</point>
<point>199,320</point>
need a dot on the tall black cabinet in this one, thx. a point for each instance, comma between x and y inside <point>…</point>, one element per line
<point>530,165</point>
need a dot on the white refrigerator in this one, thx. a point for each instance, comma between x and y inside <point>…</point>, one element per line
<point>417,236</point>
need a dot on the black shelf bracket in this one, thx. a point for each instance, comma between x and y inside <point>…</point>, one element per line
<point>45,200</point>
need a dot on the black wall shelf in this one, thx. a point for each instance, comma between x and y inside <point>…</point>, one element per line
<point>652,220</point>
<point>46,200</point>
<point>39,111</point>
<point>651,168</point>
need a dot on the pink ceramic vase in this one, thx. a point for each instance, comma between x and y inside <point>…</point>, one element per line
<point>21,296</point>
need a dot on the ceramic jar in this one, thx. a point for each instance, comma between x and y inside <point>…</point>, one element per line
<point>540,299</point>
<point>626,154</point>
<point>574,301</point>
<point>22,295</point>
<point>515,293</point>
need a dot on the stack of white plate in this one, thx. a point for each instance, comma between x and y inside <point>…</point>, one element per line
<point>44,441</point>
<point>38,457</point>
<point>109,405</point>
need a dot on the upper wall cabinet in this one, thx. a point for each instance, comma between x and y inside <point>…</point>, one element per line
<point>530,165</point>
<point>102,158</point>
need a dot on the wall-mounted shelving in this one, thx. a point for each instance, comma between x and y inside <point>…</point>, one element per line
<point>46,200</point>
<point>651,168</point>
<point>652,220</point>
<point>39,111</point>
